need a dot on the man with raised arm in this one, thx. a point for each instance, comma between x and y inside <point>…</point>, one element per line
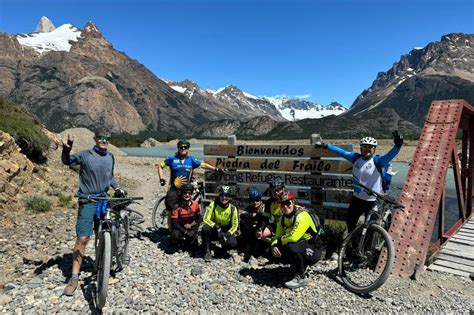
<point>96,176</point>
<point>181,168</point>
<point>365,170</point>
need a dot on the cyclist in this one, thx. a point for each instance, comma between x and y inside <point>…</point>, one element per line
<point>221,222</point>
<point>185,219</point>
<point>96,175</point>
<point>250,221</point>
<point>272,210</point>
<point>365,171</point>
<point>181,167</point>
<point>294,239</point>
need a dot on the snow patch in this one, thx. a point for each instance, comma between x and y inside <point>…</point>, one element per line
<point>178,88</point>
<point>57,40</point>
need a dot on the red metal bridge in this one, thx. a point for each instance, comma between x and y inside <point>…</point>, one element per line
<point>424,193</point>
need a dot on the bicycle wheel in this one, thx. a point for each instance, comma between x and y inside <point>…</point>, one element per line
<point>157,212</point>
<point>103,268</point>
<point>359,256</point>
<point>135,219</point>
<point>122,240</point>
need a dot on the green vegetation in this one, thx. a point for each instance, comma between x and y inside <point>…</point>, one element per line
<point>334,235</point>
<point>25,129</point>
<point>64,199</point>
<point>37,203</point>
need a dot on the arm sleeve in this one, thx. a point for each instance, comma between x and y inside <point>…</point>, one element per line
<point>386,158</point>
<point>278,233</point>
<point>113,182</point>
<point>177,225</point>
<point>208,215</point>
<point>235,220</point>
<point>69,159</point>
<point>196,162</point>
<point>300,227</point>
<point>350,156</point>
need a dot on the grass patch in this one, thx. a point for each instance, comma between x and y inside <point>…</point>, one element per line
<point>64,200</point>
<point>37,203</point>
<point>335,231</point>
<point>25,129</point>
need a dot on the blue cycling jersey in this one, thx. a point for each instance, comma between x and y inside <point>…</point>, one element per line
<point>180,169</point>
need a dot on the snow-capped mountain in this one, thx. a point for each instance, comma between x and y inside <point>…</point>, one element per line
<point>248,106</point>
<point>299,108</point>
<point>227,102</point>
<point>48,38</point>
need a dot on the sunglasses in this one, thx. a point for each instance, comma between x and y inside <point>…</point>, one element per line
<point>255,200</point>
<point>184,147</point>
<point>104,138</point>
<point>367,146</point>
<point>223,196</point>
<point>187,193</point>
<point>285,204</point>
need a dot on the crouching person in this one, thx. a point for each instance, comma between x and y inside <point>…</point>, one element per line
<point>221,222</point>
<point>185,220</point>
<point>293,240</point>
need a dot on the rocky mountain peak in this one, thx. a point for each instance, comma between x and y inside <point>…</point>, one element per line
<point>45,25</point>
<point>188,84</point>
<point>91,31</point>
<point>232,89</point>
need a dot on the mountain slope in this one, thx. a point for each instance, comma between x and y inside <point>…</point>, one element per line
<point>85,82</point>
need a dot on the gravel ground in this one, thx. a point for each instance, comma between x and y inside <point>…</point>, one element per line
<point>35,258</point>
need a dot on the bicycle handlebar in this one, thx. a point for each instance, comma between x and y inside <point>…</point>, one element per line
<point>379,196</point>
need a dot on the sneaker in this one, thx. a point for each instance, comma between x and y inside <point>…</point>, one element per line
<point>296,282</point>
<point>207,257</point>
<point>71,287</point>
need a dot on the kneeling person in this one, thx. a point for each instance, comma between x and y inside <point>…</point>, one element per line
<point>185,219</point>
<point>293,240</point>
<point>221,222</point>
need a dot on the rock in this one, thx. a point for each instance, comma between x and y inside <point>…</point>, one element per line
<point>4,299</point>
<point>196,271</point>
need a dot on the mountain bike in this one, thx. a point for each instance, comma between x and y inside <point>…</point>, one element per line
<point>116,221</point>
<point>359,266</point>
<point>160,210</point>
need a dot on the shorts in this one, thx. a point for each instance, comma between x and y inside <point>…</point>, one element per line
<point>86,221</point>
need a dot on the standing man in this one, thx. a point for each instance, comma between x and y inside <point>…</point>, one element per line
<point>365,170</point>
<point>96,175</point>
<point>294,239</point>
<point>181,167</point>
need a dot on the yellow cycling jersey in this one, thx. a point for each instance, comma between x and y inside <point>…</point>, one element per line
<point>223,216</point>
<point>294,229</point>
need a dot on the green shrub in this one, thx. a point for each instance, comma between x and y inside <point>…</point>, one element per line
<point>37,203</point>
<point>64,199</point>
<point>25,129</point>
<point>335,231</point>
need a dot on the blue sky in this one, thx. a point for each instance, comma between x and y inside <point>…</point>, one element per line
<point>331,50</point>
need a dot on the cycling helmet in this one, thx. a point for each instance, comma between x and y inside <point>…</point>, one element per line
<point>255,195</point>
<point>187,187</point>
<point>276,183</point>
<point>287,195</point>
<point>368,141</point>
<point>183,142</point>
<point>224,190</point>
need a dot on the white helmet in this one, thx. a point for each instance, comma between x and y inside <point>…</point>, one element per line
<point>369,141</point>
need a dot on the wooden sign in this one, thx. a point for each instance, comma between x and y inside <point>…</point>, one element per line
<point>290,179</point>
<point>283,165</point>
<point>270,150</point>
<point>241,191</point>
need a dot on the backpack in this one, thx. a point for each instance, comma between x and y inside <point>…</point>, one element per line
<point>317,236</point>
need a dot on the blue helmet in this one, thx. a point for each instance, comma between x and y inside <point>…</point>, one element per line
<point>255,194</point>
